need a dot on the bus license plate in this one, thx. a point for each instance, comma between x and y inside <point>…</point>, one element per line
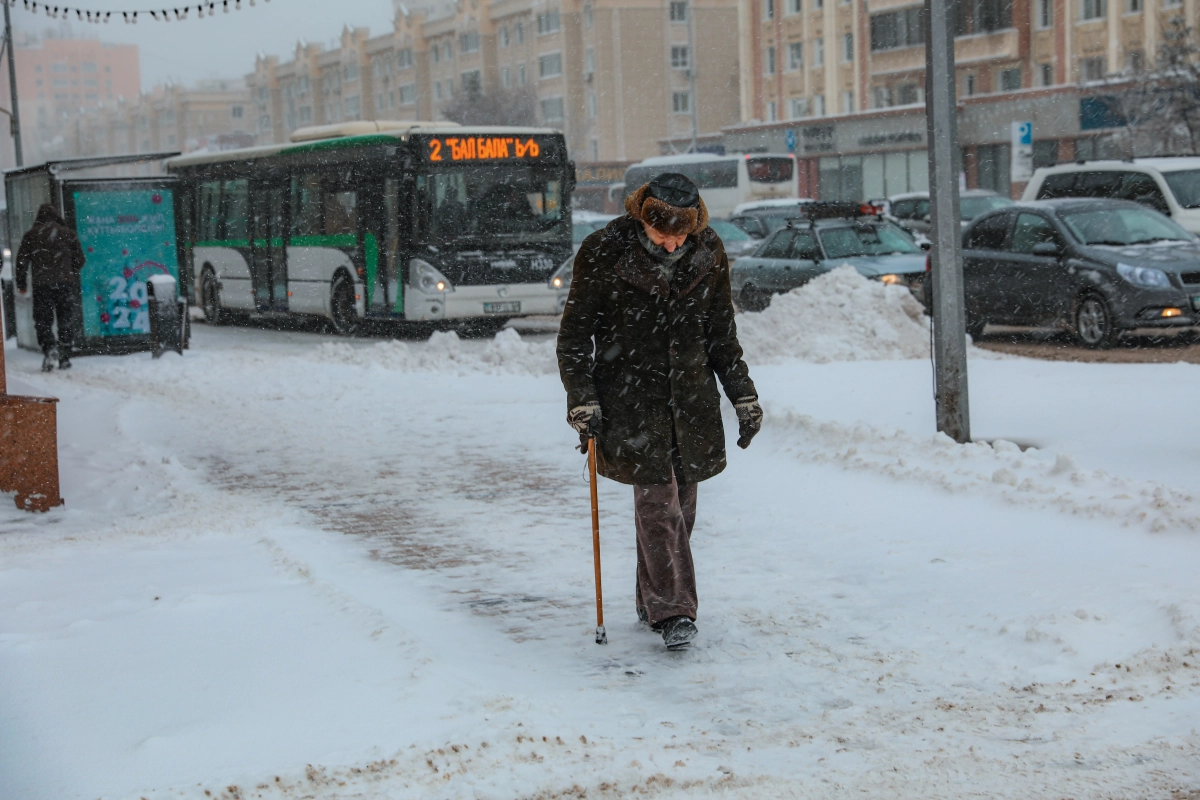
<point>511,307</point>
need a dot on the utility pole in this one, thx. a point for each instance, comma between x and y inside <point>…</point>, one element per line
<point>949,318</point>
<point>692,99</point>
<point>15,117</point>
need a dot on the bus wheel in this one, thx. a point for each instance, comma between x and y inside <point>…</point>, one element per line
<point>342,314</point>
<point>210,299</point>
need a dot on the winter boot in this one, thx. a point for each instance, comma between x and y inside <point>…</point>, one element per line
<point>644,620</point>
<point>50,360</point>
<point>64,360</point>
<point>678,632</point>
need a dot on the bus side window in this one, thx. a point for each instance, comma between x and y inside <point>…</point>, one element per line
<point>235,210</point>
<point>341,212</point>
<point>306,206</point>
<point>209,211</point>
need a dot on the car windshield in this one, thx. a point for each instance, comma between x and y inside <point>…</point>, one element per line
<point>866,239</point>
<point>971,207</point>
<point>728,231</point>
<point>1185,185</point>
<point>506,202</point>
<point>581,230</point>
<point>1123,226</point>
<point>777,221</point>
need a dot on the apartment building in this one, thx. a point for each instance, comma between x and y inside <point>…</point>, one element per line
<point>616,76</point>
<point>841,82</point>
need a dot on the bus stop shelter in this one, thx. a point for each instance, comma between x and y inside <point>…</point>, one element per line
<point>128,231</point>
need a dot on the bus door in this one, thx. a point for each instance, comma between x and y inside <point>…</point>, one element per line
<point>380,248</point>
<point>268,251</point>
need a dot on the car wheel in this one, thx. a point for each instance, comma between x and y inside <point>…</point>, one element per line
<point>1094,323</point>
<point>975,327</point>
<point>753,299</point>
<point>210,299</point>
<point>342,313</point>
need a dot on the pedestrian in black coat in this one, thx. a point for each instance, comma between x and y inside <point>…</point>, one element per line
<point>647,332</point>
<point>52,256</point>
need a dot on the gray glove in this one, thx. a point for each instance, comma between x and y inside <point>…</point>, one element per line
<point>750,417</point>
<point>584,418</point>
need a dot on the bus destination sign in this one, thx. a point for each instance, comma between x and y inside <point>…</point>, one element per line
<point>482,148</point>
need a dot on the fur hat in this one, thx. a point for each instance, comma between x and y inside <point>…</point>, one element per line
<point>670,203</point>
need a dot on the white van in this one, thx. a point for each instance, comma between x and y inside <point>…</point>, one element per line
<point>724,181</point>
<point>1169,185</point>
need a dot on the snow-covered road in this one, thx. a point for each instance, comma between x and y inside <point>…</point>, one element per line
<point>298,567</point>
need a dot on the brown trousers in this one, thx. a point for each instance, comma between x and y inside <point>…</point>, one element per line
<point>666,580</point>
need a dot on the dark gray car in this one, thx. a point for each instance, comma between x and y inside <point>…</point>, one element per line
<point>1096,267</point>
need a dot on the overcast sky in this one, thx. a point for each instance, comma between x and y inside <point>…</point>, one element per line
<point>222,46</point>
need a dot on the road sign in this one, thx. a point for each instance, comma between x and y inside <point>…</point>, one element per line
<point>789,139</point>
<point>1022,152</point>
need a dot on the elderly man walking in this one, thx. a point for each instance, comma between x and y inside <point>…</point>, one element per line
<point>51,255</point>
<point>647,332</point>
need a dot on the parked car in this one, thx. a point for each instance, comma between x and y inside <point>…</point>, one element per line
<point>911,210</point>
<point>1095,267</point>
<point>768,217</point>
<point>737,242</point>
<point>584,222</point>
<point>828,236</point>
<point>759,205</point>
<point>1168,185</point>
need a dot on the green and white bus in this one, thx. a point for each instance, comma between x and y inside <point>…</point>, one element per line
<point>381,220</point>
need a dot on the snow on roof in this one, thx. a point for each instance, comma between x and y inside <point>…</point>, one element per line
<point>1162,164</point>
<point>786,202</point>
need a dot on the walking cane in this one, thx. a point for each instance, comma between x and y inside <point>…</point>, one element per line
<point>601,636</point>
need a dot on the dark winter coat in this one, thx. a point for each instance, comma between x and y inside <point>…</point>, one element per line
<point>650,352</point>
<point>51,250</point>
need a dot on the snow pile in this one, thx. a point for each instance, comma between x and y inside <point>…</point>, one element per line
<point>839,316</point>
<point>446,352</point>
<point>1031,478</point>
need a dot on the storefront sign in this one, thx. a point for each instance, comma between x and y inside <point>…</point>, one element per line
<point>899,137</point>
<point>1022,152</point>
<point>127,236</point>
<point>817,138</point>
<point>600,174</point>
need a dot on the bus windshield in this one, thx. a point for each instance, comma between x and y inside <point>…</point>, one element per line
<point>491,202</point>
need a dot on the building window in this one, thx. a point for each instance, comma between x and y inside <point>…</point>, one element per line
<point>1171,3</point>
<point>769,61</point>
<point>520,74</point>
<point>769,9</point>
<point>982,16</point>
<point>679,57</point>
<point>772,114</point>
<point>1047,71</point>
<point>237,112</point>
<point>437,90</point>
<point>848,47</point>
<point>847,101</point>
<point>818,4</point>
<point>589,61</point>
<point>909,94</point>
<point>1135,61</point>
<point>548,22</point>
<point>902,28</point>
<point>797,107</point>
<point>1010,79</point>
<point>593,108</point>
<point>679,9</point>
<point>436,54</point>
<point>87,66</point>
<point>520,29</point>
<point>882,96</point>
<point>1093,69</point>
<point>968,85</point>
<point>1094,9</point>
<point>795,6</point>
<point>818,52</point>
<point>681,102</point>
<point>552,109</point>
<point>1133,6</point>
<point>353,107</point>
<point>468,42</point>
<point>447,51</point>
<point>505,77</point>
<point>587,15</point>
<point>471,83</point>
<point>1045,13</point>
<point>502,36</point>
<point>795,56</point>
<point>408,95</point>
<point>550,65</point>
<point>595,149</point>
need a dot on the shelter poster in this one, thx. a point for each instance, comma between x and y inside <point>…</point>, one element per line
<point>127,236</point>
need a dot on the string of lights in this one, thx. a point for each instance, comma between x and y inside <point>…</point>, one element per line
<point>204,9</point>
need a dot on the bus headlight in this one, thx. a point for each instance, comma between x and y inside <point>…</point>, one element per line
<point>424,276</point>
<point>561,277</point>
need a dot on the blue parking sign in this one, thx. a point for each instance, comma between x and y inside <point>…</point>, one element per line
<point>789,139</point>
<point>1024,133</point>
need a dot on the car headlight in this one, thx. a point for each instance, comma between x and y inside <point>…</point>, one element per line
<point>561,277</point>
<point>1144,276</point>
<point>424,276</point>
<point>890,279</point>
